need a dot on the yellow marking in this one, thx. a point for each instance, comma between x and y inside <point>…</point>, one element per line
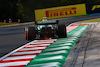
<point>95,7</point>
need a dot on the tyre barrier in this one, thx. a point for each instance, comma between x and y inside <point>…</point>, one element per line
<point>45,53</point>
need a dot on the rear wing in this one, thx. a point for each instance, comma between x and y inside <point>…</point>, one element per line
<point>46,22</point>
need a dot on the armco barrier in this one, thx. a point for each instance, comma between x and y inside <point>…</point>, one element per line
<point>56,53</point>
<point>58,12</point>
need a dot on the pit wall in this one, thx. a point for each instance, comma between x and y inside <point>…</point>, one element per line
<point>67,11</point>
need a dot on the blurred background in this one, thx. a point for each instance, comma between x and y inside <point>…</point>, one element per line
<point>24,9</point>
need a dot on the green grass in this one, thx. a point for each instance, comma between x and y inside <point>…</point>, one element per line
<point>7,24</point>
<point>92,20</point>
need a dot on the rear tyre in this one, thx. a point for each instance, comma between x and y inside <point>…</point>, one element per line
<point>62,31</point>
<point>30,33</point>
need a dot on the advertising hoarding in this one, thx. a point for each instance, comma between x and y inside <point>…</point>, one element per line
<point>58,12</point>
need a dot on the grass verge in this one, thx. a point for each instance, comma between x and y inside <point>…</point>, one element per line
<point>7,24</point>
<point>92,20</point>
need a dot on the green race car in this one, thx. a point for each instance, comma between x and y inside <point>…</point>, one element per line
<point>45,29</point>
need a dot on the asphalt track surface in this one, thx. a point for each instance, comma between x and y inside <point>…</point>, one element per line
<point>12,37</point>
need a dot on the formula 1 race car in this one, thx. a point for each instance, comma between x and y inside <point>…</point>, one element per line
<point>45,29</point>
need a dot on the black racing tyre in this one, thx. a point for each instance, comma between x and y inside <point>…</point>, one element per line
<point>30,33</point>
<point>62,31</point>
